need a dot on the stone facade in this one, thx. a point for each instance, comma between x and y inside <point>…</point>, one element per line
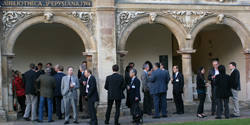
<point>105,27</point>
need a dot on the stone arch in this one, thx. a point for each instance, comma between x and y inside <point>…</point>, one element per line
<point>71,22</point>
<point>174,26</point>
<point>235,24</point>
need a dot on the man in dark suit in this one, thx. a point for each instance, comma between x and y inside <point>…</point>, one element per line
<point>158,89</point>
<point>40,70</point>
<point>178,84</point>
<point>211,77</point>
<point>79,75</point>
<point>92,95</point>
<point>57,93</point>
<point>84,103</point>
<point>115,86</point>
<point>235,87</point>
<point>147,105</point>
<point>135,96</point>
<point>29,79</point>
<point>46,88</point>
<point>53,72</point>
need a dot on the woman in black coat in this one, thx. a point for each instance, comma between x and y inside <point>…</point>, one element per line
<point>201,90</point>
<point>223,92</point>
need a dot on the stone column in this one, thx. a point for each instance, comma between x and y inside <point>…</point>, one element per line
<point>120,55</point>
<point>91,61</point>
<point>11,114</point>
<point>3,117</point>
<point>247,54</point>
<point>106,47</point>
<point>187,72</point>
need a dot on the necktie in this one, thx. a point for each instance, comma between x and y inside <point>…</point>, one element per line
<point>69,82</point>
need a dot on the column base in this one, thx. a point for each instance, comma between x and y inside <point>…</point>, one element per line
<point>12,116</point>
<point>3,116</point>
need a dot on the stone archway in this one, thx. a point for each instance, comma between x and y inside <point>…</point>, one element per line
<point>25,21</point>
<point>235,24</point>
<point>240,30</point>
<point>173,25</point>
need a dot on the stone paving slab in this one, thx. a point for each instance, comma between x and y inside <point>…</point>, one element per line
<point>189,116</point>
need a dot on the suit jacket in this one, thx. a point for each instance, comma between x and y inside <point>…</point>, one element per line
<point>168,76</point>
<point>58,78</point>
<point>83,87</point>
<point>159,82</point>
<point>145,81</point>
<point>92,90</point>
<point>115,85</point>
<point>235,80</point>
<point>29,79</point>
<point>53,72</point>
<point>135,92</point>
<point>65,88</point>
<point>47,85</point>
<point>210,74</point>
<point>178,84</point>
<point>222,81</point>
<point>40,72</point>
<point>200,83</point>
<point>79,74</point>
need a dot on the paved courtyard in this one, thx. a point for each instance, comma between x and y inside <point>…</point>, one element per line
<point>189,116</point>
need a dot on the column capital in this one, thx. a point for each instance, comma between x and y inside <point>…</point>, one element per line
<point>9,55</point>
<point>89,53</point>
<point>186,51</point>
<point>122,53</point>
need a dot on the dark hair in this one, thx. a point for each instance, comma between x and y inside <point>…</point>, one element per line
<point>49,64</point>
<point>177,67</point>
<point>84,62</point>
<point>70,67</point>
<point>134,71</point>
<point>200,74</point>
<point>233,63</point>
<point>149,64</point>
<point>157,65</point>
<point>60,68</point>
<point>39,64</point>
<point>222,69</point>
<point>88,70</point>
<point>131,63</point>
<point>128,68</point>
<point>115,68</point>
<point>32,66</point>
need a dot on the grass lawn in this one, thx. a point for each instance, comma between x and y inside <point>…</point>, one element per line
<point>216,122</point>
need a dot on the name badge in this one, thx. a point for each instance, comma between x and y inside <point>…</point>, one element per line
<point>133,87</point>
<point>177,80</point>
<point>87,86</point>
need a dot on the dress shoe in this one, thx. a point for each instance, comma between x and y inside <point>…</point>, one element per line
<point>176,113</point>
<point>150,113</point>
<point>180,113</point>
<point>227,117</point>
<point>27,119</point>
<point>155,117</point>
<point>60,118</point>
<point>233,116</point>
<point>76,122</point>
<point>165,116</point>
<point>39,121</point>
<point>217,117</point>
<point>117,123</point>
<point>66,122</point>
<point>51,121</point>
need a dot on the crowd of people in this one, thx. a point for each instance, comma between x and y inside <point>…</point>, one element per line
<point>55,91</point>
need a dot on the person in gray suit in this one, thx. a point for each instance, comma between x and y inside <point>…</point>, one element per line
<point>69,87</point>
<point>158,89</point>
<point>147,105</point>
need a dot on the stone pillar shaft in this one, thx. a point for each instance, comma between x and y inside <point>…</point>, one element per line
<point>248,75</point>
<point>187,73</point>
